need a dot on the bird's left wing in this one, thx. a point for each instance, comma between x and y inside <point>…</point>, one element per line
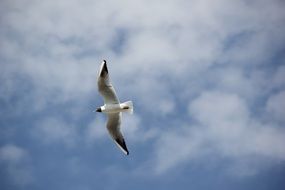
<point>105,87</point>
<point>113,126</point>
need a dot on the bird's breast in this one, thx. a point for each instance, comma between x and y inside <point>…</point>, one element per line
<point>111,108</point>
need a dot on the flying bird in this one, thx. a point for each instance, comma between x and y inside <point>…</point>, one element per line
<point>112,107</point>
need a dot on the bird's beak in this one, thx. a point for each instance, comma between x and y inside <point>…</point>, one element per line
<point>98,109</point>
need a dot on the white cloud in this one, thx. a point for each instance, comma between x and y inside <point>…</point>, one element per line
<point>275,106</point>
<point>224,129</point>
<point>217,108</point>
<point>61,50</point>
<point>12,153</point>
<point>55,130</point>
<point>134,130</point>
<point>174,148</point>
<point>279,78</point>
<point>96,130</point>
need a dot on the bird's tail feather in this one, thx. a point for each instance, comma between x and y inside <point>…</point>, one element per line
<point>130,107</point>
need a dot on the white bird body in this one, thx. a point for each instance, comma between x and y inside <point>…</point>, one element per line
<point>115,108</point>
<point>112,107</point>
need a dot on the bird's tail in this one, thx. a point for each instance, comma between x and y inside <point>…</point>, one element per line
<point>128,106</point>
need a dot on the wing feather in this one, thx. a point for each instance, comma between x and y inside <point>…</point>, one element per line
<point>105,87</point>
<point>113,126</point>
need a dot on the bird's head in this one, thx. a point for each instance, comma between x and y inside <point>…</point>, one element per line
<point>99,109</point>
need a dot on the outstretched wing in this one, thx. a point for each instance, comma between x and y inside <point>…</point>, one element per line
<point>113,126</point>
<point>105,87</point>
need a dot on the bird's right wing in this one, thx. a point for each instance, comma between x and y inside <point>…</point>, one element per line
<point>105,87</point>
<point>113,126</point>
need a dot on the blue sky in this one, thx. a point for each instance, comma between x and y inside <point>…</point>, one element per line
<point>207,79</point>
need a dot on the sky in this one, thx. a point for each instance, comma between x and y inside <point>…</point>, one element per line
<point>207,79</point>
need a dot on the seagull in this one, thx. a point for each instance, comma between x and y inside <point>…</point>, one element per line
<point>112,107</point>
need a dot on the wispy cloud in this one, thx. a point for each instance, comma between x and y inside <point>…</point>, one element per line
<point>55,130</point>
<point>14,161</point>
<point>275,105</point>
<point>224,128</point>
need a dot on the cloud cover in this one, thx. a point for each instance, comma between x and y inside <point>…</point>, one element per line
<point>207,79</point>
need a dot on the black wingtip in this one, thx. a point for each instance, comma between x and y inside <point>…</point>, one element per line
<point>123,145</point>
<point>104,70</point>
<point>127,151</point>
